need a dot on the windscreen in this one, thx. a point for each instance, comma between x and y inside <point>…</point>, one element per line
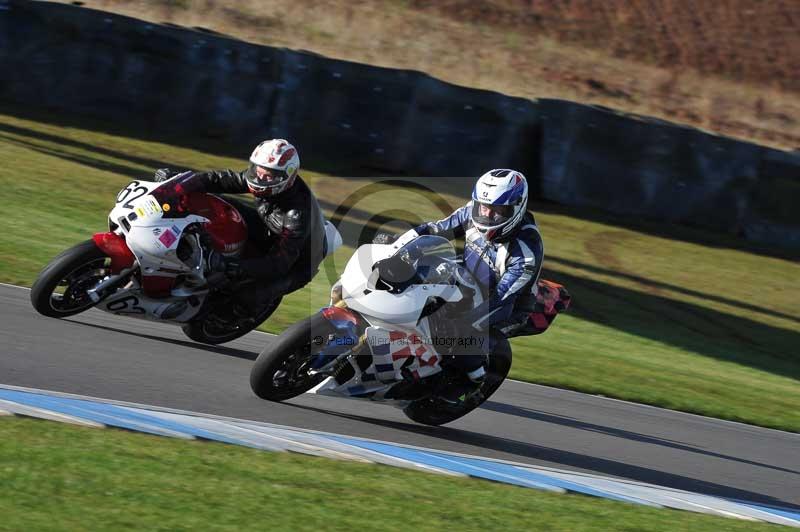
<point>173,194</point>
<point>432,257</point>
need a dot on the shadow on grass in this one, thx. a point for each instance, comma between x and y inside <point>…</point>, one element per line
<point>142,129</point>
<point>456,185</point>
<point>569,459</point>
<point>92,162</point>
<point>667,230</point>
<point>350,223</point>
<point>64,141</point>
<point>684,325</point>
<point>761,309</point>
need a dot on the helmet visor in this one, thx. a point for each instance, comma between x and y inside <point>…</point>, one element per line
<point>262,177</point>
<point>490,215</point>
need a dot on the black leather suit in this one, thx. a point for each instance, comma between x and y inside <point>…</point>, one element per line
<point>287,229</point>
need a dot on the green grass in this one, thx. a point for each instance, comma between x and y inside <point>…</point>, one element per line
<point>60,477</point>
<point>667,316</point>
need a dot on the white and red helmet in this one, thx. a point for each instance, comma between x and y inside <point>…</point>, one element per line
<point>499,203</point>
<point>273,167</point>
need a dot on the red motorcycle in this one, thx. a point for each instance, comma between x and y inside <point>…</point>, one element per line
<point>151,264</point>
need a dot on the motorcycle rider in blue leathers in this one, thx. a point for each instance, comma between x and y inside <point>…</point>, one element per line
<point>503,250</point>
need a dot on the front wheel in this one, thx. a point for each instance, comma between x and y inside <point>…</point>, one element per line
<point>61,288</point>
<point>281,370</point>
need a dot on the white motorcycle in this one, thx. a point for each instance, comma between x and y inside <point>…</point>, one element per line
<point>151,263</point>
<point>380,339</point>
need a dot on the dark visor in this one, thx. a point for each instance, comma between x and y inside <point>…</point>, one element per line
<point>487,214</point>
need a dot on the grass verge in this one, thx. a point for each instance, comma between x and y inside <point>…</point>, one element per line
<point>61,477</point>
<point>677,318</point>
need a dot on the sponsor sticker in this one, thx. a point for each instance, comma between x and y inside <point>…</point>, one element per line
<point>168,238</point>
<point>151,206</point>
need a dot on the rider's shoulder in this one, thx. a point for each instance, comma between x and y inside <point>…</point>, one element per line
<point>527,234</point>
<point>528,228</point>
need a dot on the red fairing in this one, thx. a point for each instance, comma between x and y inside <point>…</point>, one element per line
<point>157,286</point>
<point>115,247</point>
<point>339,314</point>
<point>227,228</point>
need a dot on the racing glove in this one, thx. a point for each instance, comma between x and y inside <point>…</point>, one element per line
<point>162,174</point>
<point>384,238</point>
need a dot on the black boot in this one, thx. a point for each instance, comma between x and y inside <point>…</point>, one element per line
<point>463,388</point>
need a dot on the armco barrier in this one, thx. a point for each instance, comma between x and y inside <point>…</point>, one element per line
<point>177,81</point>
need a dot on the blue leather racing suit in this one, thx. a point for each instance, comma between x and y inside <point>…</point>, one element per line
<point>505,270</point>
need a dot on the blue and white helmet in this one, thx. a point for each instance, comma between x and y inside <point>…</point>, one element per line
<point>499,202</point>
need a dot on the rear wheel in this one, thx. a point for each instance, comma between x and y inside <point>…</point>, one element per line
<point>214,329</point>
<point>61,288</point>
<point>434,411</point>
<point>281,370</point>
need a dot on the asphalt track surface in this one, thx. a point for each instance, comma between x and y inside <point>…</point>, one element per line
<point>125,359</point>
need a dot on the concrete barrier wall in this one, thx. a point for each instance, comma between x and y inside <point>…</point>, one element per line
<point>172,80</point>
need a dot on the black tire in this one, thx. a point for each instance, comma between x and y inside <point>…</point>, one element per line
<point>433,411</point>
<point>202,330</point>
<point>288,353</point>
<point>76,267</point>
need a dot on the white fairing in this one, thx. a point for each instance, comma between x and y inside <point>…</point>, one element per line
<point>154,240</point>
<point>333,239</point>
<point>391,315</point>
<point>402,310</point>
<point>131,301</point>
<point>128,200</point>
<point>155,253</point>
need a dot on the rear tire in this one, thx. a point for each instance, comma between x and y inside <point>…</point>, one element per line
<point>78,268</point>
<point>433,411</point>
<point>278,373</point>
<point>204,331</point>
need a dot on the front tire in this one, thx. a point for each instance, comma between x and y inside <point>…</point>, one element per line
<point>280,371</point>
<point>77,269</point>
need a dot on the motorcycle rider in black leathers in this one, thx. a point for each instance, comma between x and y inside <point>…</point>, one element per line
<point>285,224</point>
